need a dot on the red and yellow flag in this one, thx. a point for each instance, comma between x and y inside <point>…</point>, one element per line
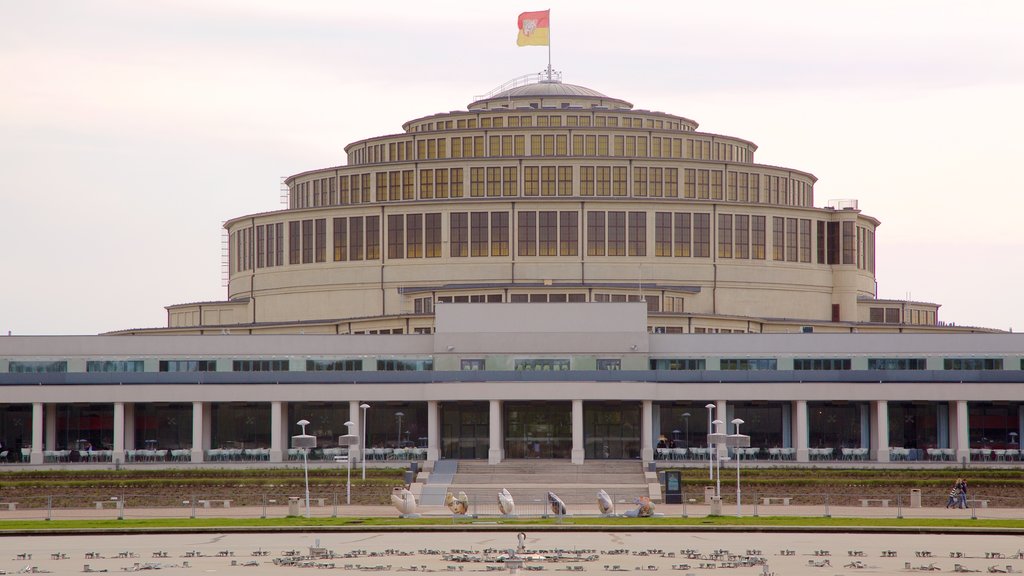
<point>534,28</point>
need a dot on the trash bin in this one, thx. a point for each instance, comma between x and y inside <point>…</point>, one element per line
<point>293,505</point>
<point>709,493</point>
<point>716,506</point>
<point>915,497</point>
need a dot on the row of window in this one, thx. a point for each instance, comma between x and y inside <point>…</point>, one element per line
<point>895,315</point>
<point>282,365</point>
<point>491,119</point>
<point>544,233</point>
<point>537,181</point>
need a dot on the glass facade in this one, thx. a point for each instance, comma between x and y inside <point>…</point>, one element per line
<point>163,426</point>
<point>916,424</point>
<point>15,430</point>
<point>465,430</point>
<point>395,425</point>
<point>326,422</point>
<point>763,422</point>
<point>240,425</point>
<point>681,424</point>
<point>82,425</point>
<point>836,425</point>
<point>994,425</point>
<point>611,430</point>
<point>538,429</point>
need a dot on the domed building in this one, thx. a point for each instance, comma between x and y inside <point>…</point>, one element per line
<point>544,191</point>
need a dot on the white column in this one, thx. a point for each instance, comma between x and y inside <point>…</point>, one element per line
<point>800,430</point>
<point>959,430</point>
<point>51,427</point>
<point>577,432</point>
<point>129,426</point>
<point>646,431</point>
<point>880,430</point>
<point>200,431</point>
<point>36,455</point>
<point>118,454</point>
<point>278,430</point>
<point>495,454</point>
<point>353,416</point>
<point>433,431</point>
<point>721,413</point>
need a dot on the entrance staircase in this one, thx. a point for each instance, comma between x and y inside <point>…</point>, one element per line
<point>531,480</point>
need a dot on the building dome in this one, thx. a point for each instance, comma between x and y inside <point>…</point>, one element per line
<point>546,94</point>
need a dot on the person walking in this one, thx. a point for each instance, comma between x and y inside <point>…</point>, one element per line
<point>954,495</point>
<point>962,488</point>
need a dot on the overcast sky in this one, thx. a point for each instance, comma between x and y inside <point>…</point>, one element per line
<point>130,130</point>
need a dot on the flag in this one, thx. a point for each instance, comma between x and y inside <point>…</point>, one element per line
<point>534,28</point>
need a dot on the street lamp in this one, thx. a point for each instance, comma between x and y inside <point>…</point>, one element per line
<point>738,441</point>
<point>362,438</point>
<point>348,462</point>
<point>711,458</point>
<point>399,416</point>
<point>686,418</point>
<point>304,442</point>
<point>717,439</point>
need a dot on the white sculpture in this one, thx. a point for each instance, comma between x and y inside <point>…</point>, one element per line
<point>506,504</point>
<point>403,501</point>
<point>604,503</point>
<point>557,506</point>
<point>457,504</point>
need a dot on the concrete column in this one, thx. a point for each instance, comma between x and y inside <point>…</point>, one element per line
<point>495,454</point>
<point>578,453</point>
<point>959,430</point>
<point>200,430</point>
<point>278,430</point>
<point>646,431</point>
<point>433,431</point>
<point>880,430</point>
<point>118,454</point>
<point>800,430</point>
<point>36,455</point>
<point>353,416</point>
<point>129,426</point>
<point>721,413</point>
<point>51,427</point>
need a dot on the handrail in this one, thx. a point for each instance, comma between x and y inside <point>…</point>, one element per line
<point>524,80</point>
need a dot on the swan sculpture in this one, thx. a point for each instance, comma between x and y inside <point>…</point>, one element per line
<point>506,504</point>
<point>604,503</point>
<point>403,501</point>
<point>557,506</point>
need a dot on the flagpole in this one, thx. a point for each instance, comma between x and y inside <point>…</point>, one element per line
<point>549,46</point>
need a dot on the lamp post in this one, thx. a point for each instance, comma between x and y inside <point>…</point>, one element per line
<point>686,426</point>
<point>738,441</point>
<point>711,458</point>
<point>718,438</point>
<point>399,416</point>
<point>348,464</point>
<point>304,442</point>
<point>362,438</point>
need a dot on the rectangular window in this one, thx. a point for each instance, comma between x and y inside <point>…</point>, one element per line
<point>565,180</point>
<point>896,364</point>
<point>493,181</point>
<point>458,234</point>
<point>34,366</point>
<point>478,240</point>
<point>404,365</point>
<point>432,245</point>
<point>833,242</point>
<point>972,364</point>
<point>757,240</point>
<point>541,364</point>
<point>334,365</point>
<point>527,233</point>
<point>847,242</point>
<point>716,184</point>
<point>188,365</point>
<point>725,235</point>
<point>749,364</point>
<point>307,241</point>
<point>677,364</point>
<point>609,364</point>
<point>394,185</point>
<point>791,243</point>
<point>595,233</point>
<point>275,244</point>
<point>689,183</point>
<point>619,184</point>
<point>372,237</point>
<point>261,246</point>
<point>702,235</point>
<point>547,180</point>
<point>340,239</point>
<point>414,236</point>
<point>778,238</point>
<point>805,240</point>
<point>441,183</point>
<point>742,236</point>
<point>637,233</point>
<point>568,233</point>
<point>294,242</point>
<point>616,233</point>
<point>639,181</point>
<point>510,183</point>
<point>663,234</point>
<point>547,229</point>
<point>321,240</point>
<point>426,184</point>
<point>408,191</point>
<point>703,181</point>
<point>604,180</point>
<point>355,238</point>
<point>499,233</point>
<point>656,182</point>
<point>472,364</point>
<point>476,182</point>
<point>114,366</point>
<point>683,235</point>
<point>531,180</point>
<point>821,364</point>
<point>586,180</point>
